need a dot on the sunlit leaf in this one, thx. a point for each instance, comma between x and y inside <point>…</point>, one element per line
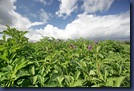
<point>118,81</point>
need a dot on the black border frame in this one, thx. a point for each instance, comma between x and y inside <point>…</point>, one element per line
<point>95,89</point>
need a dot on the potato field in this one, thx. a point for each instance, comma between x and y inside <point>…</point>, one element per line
<point>58,63</point>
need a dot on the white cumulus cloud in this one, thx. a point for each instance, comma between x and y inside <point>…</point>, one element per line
<point>44,16</point>
<point>8,16</point>
<point>92,6</point>
<point>89,27</point>
<point>100,27</point>
<point>66,8</point>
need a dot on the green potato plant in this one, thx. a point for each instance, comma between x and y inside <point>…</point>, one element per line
<point>57,63</point>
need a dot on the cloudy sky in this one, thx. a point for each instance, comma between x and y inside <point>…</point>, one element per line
<point>68,19</point>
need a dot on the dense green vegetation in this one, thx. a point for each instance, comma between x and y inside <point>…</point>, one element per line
<point>58,63</point>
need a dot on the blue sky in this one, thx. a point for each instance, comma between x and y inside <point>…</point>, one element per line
<point>24,8</point>
<point>90,19</point>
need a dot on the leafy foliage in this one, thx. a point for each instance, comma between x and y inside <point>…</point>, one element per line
<point>58,63</point>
